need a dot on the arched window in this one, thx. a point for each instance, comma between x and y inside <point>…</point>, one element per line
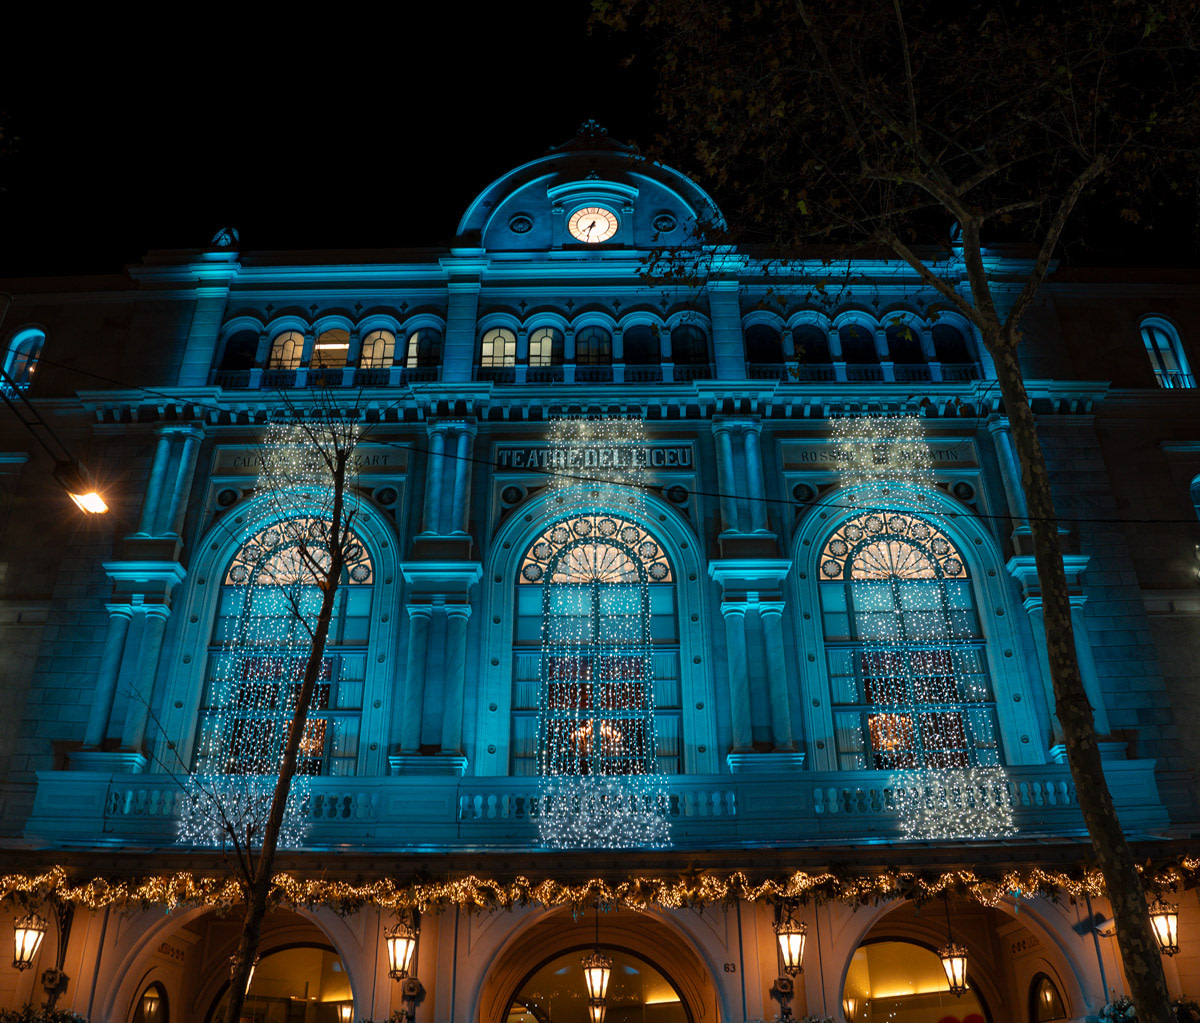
<point>1045,1002</point>
<point>897,979</point>
<point>764,345</point>
<point>1166,354</point>
<point>689,345</point>
<point>950,345</point>
<point>498,348</point>
<point>904,648</point>
<point>153,1006</point>
<point>811,344</point>
<point>293,977</point>
<point>241,349</point>
<point>331,349</point>
<point>546,347</point>
<point>424,348</point>
<point>593,347</point>
<point>904,343</point>
<point>378,349</point>
<point>286,350</point>
<point>602,577</point>
<point>641,345</point>
<point>258,650</point>
<point>858,344</point>
<point>21,361</point>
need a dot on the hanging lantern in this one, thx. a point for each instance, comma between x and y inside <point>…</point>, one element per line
<point>1164,918</point>
<point>151,1002</point>
<point>597,968</point>
<point>401,944</point>
<point>596,1011</point>
<point>954,962</point>
<point>849,1008</point>
<point>791,934</point>
<point>28,933</point>
<point>346,1012</point>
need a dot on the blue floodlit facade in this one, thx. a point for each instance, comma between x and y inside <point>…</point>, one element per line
<point>766,721</point>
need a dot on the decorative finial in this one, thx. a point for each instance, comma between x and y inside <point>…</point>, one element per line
<point>226,238</point>
<point>591,129</point>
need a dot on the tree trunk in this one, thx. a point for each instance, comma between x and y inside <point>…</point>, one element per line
<point>264,868</point>
<point>1135,936</point>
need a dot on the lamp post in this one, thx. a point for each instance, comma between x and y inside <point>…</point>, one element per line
<point>28,933</point>
<point>954,960</point>
<point>1164,918</point>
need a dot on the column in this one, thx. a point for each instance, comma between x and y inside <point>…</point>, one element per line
<point>137,714</point>
<point>777,680</point>
<point>739,679</point>
<point>154,488</point>
<point>433,480</point>
<point>788,343</point>
<point>725,478</point>
<point>413,708</point>
<point>1010,469</point>
<point>835,354</point>
<point>1054,733</point>
<point>462,482</point>
<point>183,482</point>
<point>754,479</point>
<point>884,354</point>
<point>456,676</point>
<point>119,616</point>
<point>929,352</point>
<point>1087,667</point>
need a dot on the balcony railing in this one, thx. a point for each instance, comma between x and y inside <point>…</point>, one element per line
<point>497,374</point>
<point>1174,380</point>
<point>639,374</point>
<point>858,372</point>
<point>685,371</point>
<point>544,374</point>
<point>799,809</point>
<point>593,374</point>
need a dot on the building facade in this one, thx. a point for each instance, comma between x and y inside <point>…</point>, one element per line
<point>776,745</point>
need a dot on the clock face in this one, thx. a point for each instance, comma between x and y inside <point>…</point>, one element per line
<point>593,224</point>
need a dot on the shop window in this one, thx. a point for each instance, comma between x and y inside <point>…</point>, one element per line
<point>258,650</point>
<point>1166,354</point>
<point>286,350</point>
<point>604,585</point>
<point>904,650</point>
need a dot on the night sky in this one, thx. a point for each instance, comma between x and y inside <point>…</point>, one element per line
<point>334,133</point>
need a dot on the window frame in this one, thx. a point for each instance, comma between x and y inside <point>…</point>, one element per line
<point>1164,346</point>
<point>25,346</point>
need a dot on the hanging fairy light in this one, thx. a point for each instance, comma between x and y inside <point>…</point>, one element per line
<point>1164,918</point>
<point>599,786</point>
<point>28,933</point>
<point>270,599</point>
<point>919,656</point>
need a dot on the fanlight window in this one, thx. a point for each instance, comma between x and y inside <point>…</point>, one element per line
<point>259,648</point>
<point>604,585</point>
<point>904,649</point>
<point>378,348</point>
<point>286,350</point>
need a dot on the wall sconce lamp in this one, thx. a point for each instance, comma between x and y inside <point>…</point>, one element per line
<point>1164,918</point>
<point>28,933</point>
<point>401,941</point>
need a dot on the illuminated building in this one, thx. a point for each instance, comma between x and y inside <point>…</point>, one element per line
<point>767,716</point>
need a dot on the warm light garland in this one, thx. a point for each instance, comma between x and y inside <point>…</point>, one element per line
<point>269,604</point>
<point>636,892</point>
<point>599,781</point>
<point>930,721</point>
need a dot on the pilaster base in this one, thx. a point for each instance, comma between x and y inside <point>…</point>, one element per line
<point>443,764</point>
<point>108,761</point>
<point>1111,750</point>
<point>764,763</point>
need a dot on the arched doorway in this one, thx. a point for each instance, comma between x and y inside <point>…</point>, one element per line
<point>304,983</point>
<point>638,992</point>
<point>902,981</point>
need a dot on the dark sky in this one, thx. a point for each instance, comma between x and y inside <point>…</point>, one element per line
<point>356,134</point>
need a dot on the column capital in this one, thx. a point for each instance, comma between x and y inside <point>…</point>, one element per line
<point>730,607</point>
<point>997,423</point>
<point>419,610</point>
<point>771,607</point>
<point>184,430</point>
<point>156,611</point>
<point>458,611</point>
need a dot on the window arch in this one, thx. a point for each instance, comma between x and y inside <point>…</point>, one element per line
<point>423,349</point>
<point>603,577</point>
<point>378,349</point>
<point>332,349</point>
<point>261,583</point>
<point>689,345</point>
<point>593,346</point>
<point>21,361</point>
<point>905,656</point>
<point>546,347</point>
<point>498,348</point>
<point>287,348</point>
<point>1045,1001</point>
<point>1165,352</point>
<point>241,351</point>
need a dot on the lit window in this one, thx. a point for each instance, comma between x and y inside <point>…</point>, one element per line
<point>263,670</point>
<point>424,348</point>
<point>498,348</point>
<point>1166,354</point>
<point>378,348</point>
<point>904,650</point>
<point>596,579</point>
<point>331,349</point>
<point>593,347</point>
<point>286,350</point>
<point>24,351</point>
<point>546,347</point>
<point>1045,1003</point>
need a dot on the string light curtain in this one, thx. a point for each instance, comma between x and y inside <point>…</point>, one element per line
<point>599,783</point>
<point>913,657</point>
<point>269,605</point>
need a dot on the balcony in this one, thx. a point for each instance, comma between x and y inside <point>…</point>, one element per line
<point>438,813</point>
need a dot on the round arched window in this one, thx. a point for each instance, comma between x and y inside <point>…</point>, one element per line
<point>311,978</point>
<point>901,980</point>
<point>1045,1003</point>
<point>151,1006</point>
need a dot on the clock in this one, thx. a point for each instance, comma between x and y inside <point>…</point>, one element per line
<point>593,224</point>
